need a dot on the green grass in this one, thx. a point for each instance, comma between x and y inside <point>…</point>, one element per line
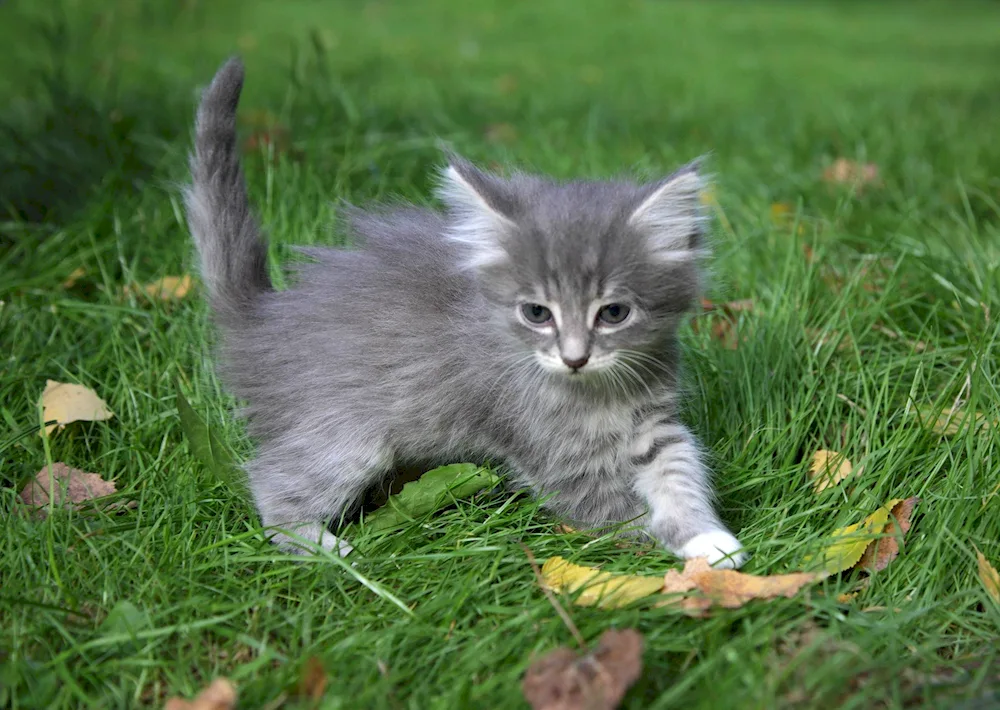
<point>96,109</point>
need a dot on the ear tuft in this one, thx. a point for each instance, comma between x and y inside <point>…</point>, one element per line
<point>473,200</point>
<point>672,215</point>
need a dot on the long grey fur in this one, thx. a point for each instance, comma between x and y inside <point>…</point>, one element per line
<point>416,347</point>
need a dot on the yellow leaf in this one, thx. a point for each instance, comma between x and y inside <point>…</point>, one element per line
<point>949,422</point>
<point>989,576</point>
<point>606,590</point>
<point>708,196</point>
<point>828,469</point>
<point>65,403</point>
<point>846,546</point>
<point>77,274</point>
<point>169,288</point>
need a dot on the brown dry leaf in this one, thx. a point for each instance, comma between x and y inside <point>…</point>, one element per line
<point>500,133</point>
<point>727,588</point>
<point>66,487</point>
<point>881,552</point>
<point>722,318</point>
<point>606,590</point>
<point>829,468</point>
<point>220,695</point>
<point>989,576</point>
<point>64,403</point>
<point>561,680</point>
<point>314,680</point>
<point>848,171</point>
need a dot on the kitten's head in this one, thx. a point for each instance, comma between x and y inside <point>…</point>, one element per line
<point>590,276</point>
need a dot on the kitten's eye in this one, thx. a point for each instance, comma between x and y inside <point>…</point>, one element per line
<point>535,313</point>
<point>613,313</point>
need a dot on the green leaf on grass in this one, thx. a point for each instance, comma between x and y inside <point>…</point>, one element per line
<point>433,490</point>
<point>206,446</point>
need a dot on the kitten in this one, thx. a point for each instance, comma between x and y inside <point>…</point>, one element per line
<point>532,322</point>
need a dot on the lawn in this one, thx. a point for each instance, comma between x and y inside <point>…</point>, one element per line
<point>870,303</point>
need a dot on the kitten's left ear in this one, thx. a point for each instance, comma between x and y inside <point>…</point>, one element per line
<point>479,204</point>
<point>672,216</point>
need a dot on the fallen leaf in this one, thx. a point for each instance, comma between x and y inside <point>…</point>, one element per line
<point>206,446</point>
<point>74,276</point>
<point>431,491</point>
<point>500,133</point>
<point>64,487</point>
<point>725,588</point>
<point>950,421</point>
<point>505,84</point>
<point>562,680</point>
<point>783,216</point>
<point>64,403</point>
<point>220,695</point>
<point>823,337</point>
<point>989,576</point>
<point>604,589</point>
<point>314,680</point>
<point>882,551</point>
<point>723,317</point>
<point>168,288</point>
<point>829,468</point>
<point>846,546</point>
<point>844,171</point>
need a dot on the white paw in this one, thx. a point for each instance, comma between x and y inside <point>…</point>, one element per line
<point>721,548</point>
<point>329,541</point>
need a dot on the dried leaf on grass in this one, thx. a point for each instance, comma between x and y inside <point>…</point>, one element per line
<point>951,421</point>
<point>168,288</point>
<point>313,682</point>
<point>721,318</point>
<point>884,550</point>
<point>701,587</point>
<point>829,468</point>
<point>74,276</point>
<point>844,171</point>
<point>220,695</point>
<point>989,576</point>
<point>64,487</point>
<point>847,546</point>
<point>603,589</point>
<point>562,680</point>
<point>64,403</point>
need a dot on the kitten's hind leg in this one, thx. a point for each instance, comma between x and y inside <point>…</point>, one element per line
<point>299,489</point>
<point>671,477</point>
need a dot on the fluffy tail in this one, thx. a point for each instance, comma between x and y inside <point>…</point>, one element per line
<point>232,249</point>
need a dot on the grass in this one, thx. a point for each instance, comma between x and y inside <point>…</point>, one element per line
<point>103,610</point>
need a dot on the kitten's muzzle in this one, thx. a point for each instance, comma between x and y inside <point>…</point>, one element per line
<point>576,363</point>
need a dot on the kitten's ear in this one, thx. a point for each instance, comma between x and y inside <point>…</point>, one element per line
<point>672,216</point>
<point>479,203</point>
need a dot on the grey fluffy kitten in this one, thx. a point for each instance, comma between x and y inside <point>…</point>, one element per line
<point>532,323</point>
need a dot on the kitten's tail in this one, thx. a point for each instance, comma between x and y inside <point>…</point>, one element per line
<point>232,249</point>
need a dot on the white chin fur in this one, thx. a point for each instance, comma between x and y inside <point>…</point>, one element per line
<point>720,548</point>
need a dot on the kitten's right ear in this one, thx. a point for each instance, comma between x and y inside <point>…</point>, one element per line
<point>478,204</point>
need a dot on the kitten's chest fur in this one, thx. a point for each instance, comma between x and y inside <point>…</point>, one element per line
<point>578,447</point>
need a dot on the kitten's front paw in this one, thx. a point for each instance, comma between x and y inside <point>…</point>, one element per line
<point>721,548</point>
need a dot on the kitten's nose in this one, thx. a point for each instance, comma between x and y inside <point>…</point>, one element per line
<point>577,363</point>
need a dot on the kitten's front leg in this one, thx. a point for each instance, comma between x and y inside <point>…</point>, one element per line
<point>672,479</point>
